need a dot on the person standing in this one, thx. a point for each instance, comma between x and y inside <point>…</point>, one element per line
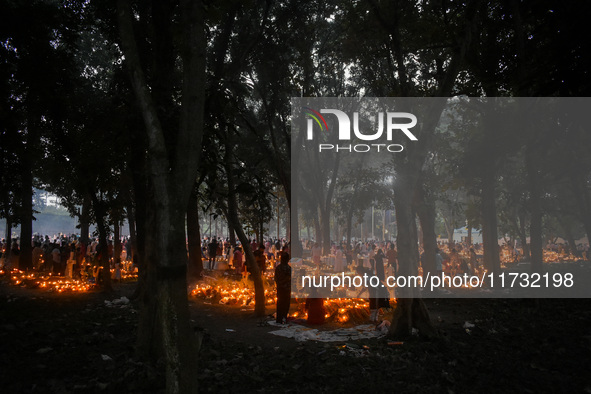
<point>316,253</point>
<point>211,252</point>
<point>283,283</point>
<point>438,261</point>
<point>339,265</point>
<point>474,262</point>
<point>56,258</point>
<point>237,260</point>
<point>392,257</point>
<point>379,296</point>
<point>37,254</point>
<point>260,258</point>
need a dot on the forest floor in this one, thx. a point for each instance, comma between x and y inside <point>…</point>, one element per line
<point>78,343</point>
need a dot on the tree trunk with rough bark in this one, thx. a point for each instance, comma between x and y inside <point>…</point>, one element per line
<point>411,311</point>
<point>349,224</point>
<point>297,249</point>
<point>489,221</point>
<point>232,214</point>
<point>139,243</point>
<point>26,217</point>
<point>8,233</point>
<point>583,199</point>
<point>426,213</point>
<point>449,229</point>
<point>132,232</point>
<point>116,242</point>
<point>572,246</point>
<point>325,228</point>
<point>194,240</point>
<point>85,219</point>
<point>317,230</point>
<point>523,237</point>
<point>232,234</point>
<point>100,217</point>
<point>164,329</point>
<point>535,230</point>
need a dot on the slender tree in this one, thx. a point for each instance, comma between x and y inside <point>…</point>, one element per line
<point>173,157</point>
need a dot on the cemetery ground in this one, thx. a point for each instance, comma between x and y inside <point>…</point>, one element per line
<point>78,343</point>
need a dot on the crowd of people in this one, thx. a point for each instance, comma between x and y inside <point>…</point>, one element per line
<point>65,255</point>
<point>380,259</point>
<point>271,254</point>
<point>69,256</point>
<point>267,253</point>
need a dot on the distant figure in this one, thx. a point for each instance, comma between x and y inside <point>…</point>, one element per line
<point>259,255</point>
<point>379,296</point>
<point>438,262</point>
<point>211,253</point>
<point>237,260</point>
<point>339,264</point>
<point>392,256</point>
<point>268,251</point>
<point>474,263</point>
<point>316,253</point>
<point>283,283</point>
<point>349,256</point>
<point>454,262</point>
<point>37,255</point>
<point>56,257</point>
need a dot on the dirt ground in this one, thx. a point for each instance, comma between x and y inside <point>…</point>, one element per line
<point>78,343</point>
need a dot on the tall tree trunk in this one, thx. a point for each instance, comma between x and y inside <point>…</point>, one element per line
<point>411,311</point>
<point>100,217</point>
<point>149,342</point>
<point>449,229</point>
<point>141,218</point>
<point>489,221</point>
<point>564,223</point>
<point>297,249</point>
<point>581,193</point>
<point>26,219</point>
<point>535,230</point>
<point>325,228</point>
<point>349,224</point>
<point>523,237</point>
<point>232,214</point>
<point>232,234</point>
<point>317,230</point>
<point>194,239</point>
<point>132,231</point>
<point>116,242</point>
<point>8,232</point>
<point>164,329</point>
<point>85,219</point>
<point>8,236</point>
<point>426,212</point>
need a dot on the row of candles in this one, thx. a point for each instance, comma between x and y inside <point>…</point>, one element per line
<point>52,282</point>
<point>241,293</point>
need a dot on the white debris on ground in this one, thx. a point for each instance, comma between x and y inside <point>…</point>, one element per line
<point>122,302</point>
<point>468,325</point>
<point>302,333</point>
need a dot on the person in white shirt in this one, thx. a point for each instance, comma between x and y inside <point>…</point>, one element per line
<point>339,265</point>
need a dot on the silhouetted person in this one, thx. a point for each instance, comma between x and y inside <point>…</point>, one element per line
<point>283,283</point>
